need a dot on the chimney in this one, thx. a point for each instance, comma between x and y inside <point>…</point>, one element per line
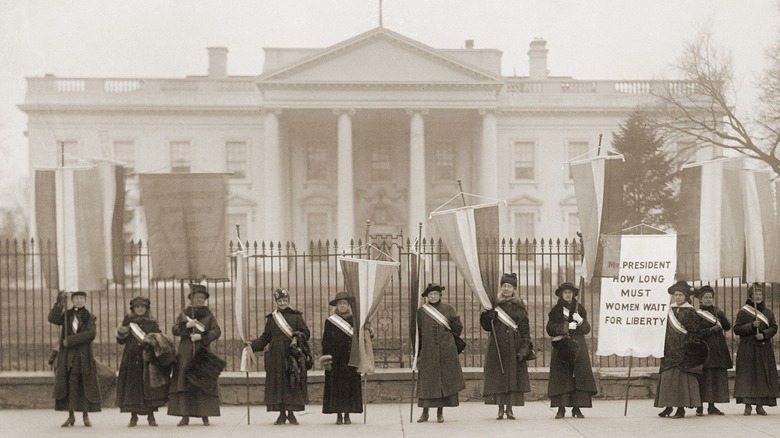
<point>469,44</point>
<point>537,59</point>
<point>217,62</point>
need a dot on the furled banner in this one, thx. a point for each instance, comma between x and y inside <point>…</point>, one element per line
<point>416,270</point>
<point>598,187</point>
<point>471,237</point>
<point>366,281</point>
<point>81,211</point>
<point>711,240</point>
<point>761,239</point>
<point>185,220</point>
<point>634,300</point>
<point>241,306</point>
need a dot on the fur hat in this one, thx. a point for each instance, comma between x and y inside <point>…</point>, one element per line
<point>342,296</point>
<point>681,286</point>
<point>77,293</point>
<point>198,288</point>
<point>566,286</point>
<point>281,293</point>
<point>433,287</point>
<point>509,279</point>
<point>706,289</point>
<point>140,301</point>
<point>326,359</point>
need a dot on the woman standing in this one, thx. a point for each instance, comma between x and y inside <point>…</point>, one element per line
<point>681,366</point>
<point>134,392</point>
<point>342,394</point>
<point>756,380</point>
<point>287,336</point>
<point>714,384</point>
<point>197,327</point>
<point>506,370</point>
<point>571,380</point>
<point>75,376</point>
<point>441,377</point>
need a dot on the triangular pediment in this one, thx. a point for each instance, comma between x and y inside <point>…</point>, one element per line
<point>379,56</point>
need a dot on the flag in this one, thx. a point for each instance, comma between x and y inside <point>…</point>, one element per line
<point>366,281</point>
<point>471,237</point>
<point>81,210</point>
<point>185,220</point>
<point>761,252</point>
<point>711,223</point>
<point>598,187</point>
<point>241,306</point>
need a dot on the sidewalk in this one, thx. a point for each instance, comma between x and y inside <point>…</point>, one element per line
<point>471,419</point>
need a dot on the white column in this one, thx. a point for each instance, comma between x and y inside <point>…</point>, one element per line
<point>488,159</point>
<point>345,216</point>
<point>275,208</point>
<point>417,185</point>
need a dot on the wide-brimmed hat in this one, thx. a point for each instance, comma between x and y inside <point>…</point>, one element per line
<point>433,287</point>
<point>567,286</point>
<point>706,289</point>
<point>509,279</point>
<point>198,288</point>
<point>140,301</point>
<point>281,293</point>
<point>342,296</point>
<point>681,286</point>
<point>77,293</point>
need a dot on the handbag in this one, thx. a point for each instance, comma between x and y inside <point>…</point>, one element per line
<point>460,344</point>
<point>526,353</point>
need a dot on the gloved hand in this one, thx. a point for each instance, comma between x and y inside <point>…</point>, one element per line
<point>191,323</point>
<point>572,325</point>
<point>196,337</point>
<point>577,318</point>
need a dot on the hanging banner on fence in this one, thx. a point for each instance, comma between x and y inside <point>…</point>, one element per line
<point>634,300</point>
<point>185,220</point>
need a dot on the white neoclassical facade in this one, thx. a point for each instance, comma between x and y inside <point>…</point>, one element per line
<point>378,127</point>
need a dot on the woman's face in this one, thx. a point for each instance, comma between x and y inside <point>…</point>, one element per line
<point>198,299</point>
<point>79,300</point>
<point>342,306</point>
<point>139,309</point>
<point>434,296</point>
<point>283,303</point>
<point>567,295</point>
<point>758,296</point>
<point>507,290</point>
<point>707,299</point>
<point>679,298</point>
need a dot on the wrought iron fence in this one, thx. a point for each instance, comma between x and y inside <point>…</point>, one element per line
<point>313,277</point>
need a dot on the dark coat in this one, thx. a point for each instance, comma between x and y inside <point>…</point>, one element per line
<point>756,374</point>
<point>515,375</point>
<point>278,387</point>
<point>713,335</point>
<point>678,351</point>
<point>561,368</point>
<point>77,357</point>
<point>342,382</point>
<point>134,392</point>
<point>440,371</point>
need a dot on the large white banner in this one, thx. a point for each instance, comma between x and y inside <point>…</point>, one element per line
<point>634,300</point>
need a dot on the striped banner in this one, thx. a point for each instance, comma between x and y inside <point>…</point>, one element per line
<point>241,307</point>
<point>761,240</point>
<point>471,237</point>
<point>598,187</point>
<point>82,211</point>
<point>710,236</point>
<point>365,280</point>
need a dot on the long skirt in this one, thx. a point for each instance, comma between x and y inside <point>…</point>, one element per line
<point>714,385</point>
<point>441,402</point>
<point>193,403</point>
<point>76,400</point>
<point>342,393</point>
<point>580,399</point>
<point>512,398</point>
<point>677,389</point>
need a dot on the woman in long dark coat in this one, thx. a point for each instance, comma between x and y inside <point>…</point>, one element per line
<point>342,394</point>
<point>506,387</point>
<point>441,377</point>
<point>681,366</point>
<point>285,335</point>
<point>714,384</point>
<point>198,328</point>
<point>571,381</point>
<point>134,393</point>
<point>756,379</point>
<point>75,377</point>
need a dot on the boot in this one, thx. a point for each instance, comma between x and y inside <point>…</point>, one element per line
<point>440,415</point>
<point>712,410</point>
<point>500,415</point>
<point>346,418</point>
<point>576,412</point>
<point>185,420</point>
<point>133,420</point>
<point>561,413</point>
<point>150,419</point>
<point>748,409</point>
<point>509,414</point>
<point>339,418</point>
<point>760,410</point>
<point>85,417</point>
<point>291,418</point>
<point>281,418</point>
<point>665,412</point>
<point>70,421</point>
<point>206,421</point>
<point>680,413</point>
<point>700,411</point>
<point>424,416</point>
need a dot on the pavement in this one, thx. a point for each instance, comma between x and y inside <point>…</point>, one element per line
<point>471,419</point>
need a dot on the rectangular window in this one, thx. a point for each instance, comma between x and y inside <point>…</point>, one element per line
<point>68,153</point>
<point>236,159</point>
<point>524,160</point>
<point>124,152</point>
<point>181,157</point>
<point>317,226</point>
<point>316,162</point>
<point>444,161</point>
<point>380,162</point>
<point>525,226</point>
<point>576,150</point>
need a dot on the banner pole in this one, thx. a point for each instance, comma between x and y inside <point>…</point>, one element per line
<point>365,401</point>
<point>628,384</point>
<point>413,357</point>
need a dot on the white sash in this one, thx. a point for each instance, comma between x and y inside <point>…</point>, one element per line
<point>282,323</point>
<point>341,323</point>
<point>135,329</point>
<point>198,325</point>
<point>753,311</point>
<point>505,318</point>
<point>436,315</point>
<point>708,316</point>
<point>676,323</point>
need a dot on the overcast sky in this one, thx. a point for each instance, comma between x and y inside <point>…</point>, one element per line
<point>587,39</point>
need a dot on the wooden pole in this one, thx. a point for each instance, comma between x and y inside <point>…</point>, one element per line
<point>239,259</point>
<point>628,385</point>
<point>413,357</point>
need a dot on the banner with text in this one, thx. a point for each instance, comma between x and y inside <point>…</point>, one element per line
<point>634,300</point>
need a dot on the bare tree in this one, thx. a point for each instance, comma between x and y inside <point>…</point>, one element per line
<point>701,108</point>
